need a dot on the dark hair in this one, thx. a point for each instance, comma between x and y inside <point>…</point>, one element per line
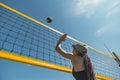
<point>82,53</point>
<point>88,64</point>
<point>89,68</point>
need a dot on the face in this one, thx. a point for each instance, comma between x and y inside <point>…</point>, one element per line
<point>75,51</point>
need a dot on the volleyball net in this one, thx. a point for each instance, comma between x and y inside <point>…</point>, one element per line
<point>24,39</point>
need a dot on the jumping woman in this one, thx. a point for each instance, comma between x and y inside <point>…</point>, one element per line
<point>82,65</point>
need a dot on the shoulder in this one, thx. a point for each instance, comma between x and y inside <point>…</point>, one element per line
<point>69,56</point>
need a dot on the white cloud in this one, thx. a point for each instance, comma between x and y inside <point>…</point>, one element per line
<point>89,7</point>
<point>104,30</point>
<point>100,31</point>
<point>111,29</point>
<point>111,12</point>
<point>86,7</point>
<point>113,8</point>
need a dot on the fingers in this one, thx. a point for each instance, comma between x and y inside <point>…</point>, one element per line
<point>63,37</point>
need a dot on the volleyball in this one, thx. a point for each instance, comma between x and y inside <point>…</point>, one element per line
<point>49,19</point>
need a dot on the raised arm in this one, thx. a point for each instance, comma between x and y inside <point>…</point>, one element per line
<point>60,50</point>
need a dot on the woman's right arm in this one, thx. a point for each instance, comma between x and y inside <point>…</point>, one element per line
<point>60,50</point>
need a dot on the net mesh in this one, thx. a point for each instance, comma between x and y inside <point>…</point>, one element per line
<point>22,36</point>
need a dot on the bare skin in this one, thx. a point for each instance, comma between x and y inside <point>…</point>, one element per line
<point>77,61</point>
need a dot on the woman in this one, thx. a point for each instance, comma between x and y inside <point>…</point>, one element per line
<point>82,66</point>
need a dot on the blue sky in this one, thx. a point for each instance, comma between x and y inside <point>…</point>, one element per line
<point>93,22</point>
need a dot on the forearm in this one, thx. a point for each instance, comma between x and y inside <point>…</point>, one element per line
<point>62,52</point>
<point>59,49</point>
<point>58,46</point>
<point>62,38</point>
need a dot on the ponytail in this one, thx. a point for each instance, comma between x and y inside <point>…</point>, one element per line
<point>89,68</point>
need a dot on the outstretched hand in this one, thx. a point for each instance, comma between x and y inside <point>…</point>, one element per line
<point>63,37</point>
